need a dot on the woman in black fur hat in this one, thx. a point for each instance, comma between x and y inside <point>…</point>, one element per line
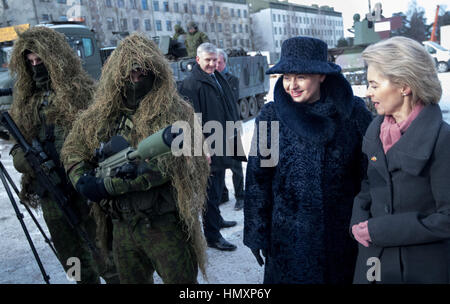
<point>297,210</point>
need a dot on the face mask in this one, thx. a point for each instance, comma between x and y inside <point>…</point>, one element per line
<point>40,74</point>
<point>136,91</point>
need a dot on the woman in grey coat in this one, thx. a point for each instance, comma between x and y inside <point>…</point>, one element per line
<point>401,217</point>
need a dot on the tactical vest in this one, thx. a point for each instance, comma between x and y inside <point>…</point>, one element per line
<point>156,202</point>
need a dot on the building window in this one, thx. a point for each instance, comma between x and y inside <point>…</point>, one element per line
<point>194,9</point>
<point>108,3</point>
<point>213,41</point>
<point>205,26</point>
<point>185,8</point>
<point>213,28</point>
<point>144,5</point>
<point>62,1</point>
<point>279,18</point>
<point>148,25</point>
<point>45,17</point>
<point>234,28</point>
<point>158,25</point>
<point>240,28</point>
<point>217,11</point>
<point>276,43</point>
<point>176,7</point>
<point>210,10</point>
<point>239,13</point>
<point>219,27</point>
<point>110,24</point>
<point>275,30</point>
<point>133,4</point>
<point>120,3</point>
<point>245,13</point>
<point>202,9</point>
<point>156,6</point>
<point>124,24</point>
<point>246,28</point>
<point>169,25</point>
<point>166,6</point>
<point>274,17</point>
<point>232,12</point>
<point>136,25</point>
<point>221,43</point>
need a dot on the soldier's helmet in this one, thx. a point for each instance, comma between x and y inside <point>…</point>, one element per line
<point>192,24</point>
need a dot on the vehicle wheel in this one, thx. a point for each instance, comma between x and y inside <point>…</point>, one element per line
<point>252,106</point>
<point>243,108</point>
<point>261,100</point>
<point>442,67</point>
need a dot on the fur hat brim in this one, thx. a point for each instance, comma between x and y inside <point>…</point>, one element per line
<point>285,66</point>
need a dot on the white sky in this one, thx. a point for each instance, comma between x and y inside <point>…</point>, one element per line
<point>350,7</point>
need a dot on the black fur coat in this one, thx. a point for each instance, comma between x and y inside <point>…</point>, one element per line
<point>299,210</point>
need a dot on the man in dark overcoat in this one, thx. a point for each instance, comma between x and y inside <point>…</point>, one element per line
<point>211,96</point>
<point>236,169</point>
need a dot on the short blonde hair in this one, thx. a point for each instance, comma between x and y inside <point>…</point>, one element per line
<point>406,62</point>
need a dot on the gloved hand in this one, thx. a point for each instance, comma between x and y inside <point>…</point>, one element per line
<point>92,188</point>
<point>19,160</point>
<point>256,253</point>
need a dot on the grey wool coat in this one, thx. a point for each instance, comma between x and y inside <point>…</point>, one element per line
<point>406,200</point>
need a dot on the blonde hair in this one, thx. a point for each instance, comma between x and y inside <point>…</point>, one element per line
<point>405,62</point>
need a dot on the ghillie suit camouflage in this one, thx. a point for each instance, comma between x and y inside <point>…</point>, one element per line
<point>45,110</point>
<point>72,88</point>
<point>160,107</point>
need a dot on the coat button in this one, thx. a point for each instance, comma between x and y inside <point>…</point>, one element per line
<point>387,209</point>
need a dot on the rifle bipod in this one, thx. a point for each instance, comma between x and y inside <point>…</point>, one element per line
<point>7,181</point>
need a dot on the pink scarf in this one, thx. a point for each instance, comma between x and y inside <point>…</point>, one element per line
<point>391,131</point>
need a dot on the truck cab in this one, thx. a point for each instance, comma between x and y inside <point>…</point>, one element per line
<point>83,41</point>
<point>440,54</point>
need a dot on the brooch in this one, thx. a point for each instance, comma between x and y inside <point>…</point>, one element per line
<point>374,159</point>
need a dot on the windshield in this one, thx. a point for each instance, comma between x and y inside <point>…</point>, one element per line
<point>438,46</point>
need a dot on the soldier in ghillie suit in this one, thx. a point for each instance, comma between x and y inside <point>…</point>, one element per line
<point>194,39</point>
<point>156,214</point>
<point>51,88</point>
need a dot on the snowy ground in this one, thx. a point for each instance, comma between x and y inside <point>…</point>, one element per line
<point>17,264</point>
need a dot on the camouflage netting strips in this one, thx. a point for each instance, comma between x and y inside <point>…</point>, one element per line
<point>159,108</point>
<point>72,86</point>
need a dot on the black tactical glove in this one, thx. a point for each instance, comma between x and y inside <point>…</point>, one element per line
<point>257,255</point>
<point>92,188</point>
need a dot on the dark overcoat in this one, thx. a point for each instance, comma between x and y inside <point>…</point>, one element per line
<point>233,81</point>
<point>206,98</point>
<point>299,210</point>
<point>406,200</point>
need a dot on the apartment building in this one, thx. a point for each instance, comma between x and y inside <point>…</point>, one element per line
<point>226,22</point>
<point>273,22</point>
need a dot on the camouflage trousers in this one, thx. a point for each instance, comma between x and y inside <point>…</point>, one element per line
<point>68,243</point>
<point>141,246</point>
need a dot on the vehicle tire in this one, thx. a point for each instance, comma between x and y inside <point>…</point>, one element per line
<point>442,67</point>
<point>252,106</point>
<point>243,108</point>
<point>260,99</point>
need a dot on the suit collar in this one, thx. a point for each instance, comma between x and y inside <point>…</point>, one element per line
<point>413,150</point>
